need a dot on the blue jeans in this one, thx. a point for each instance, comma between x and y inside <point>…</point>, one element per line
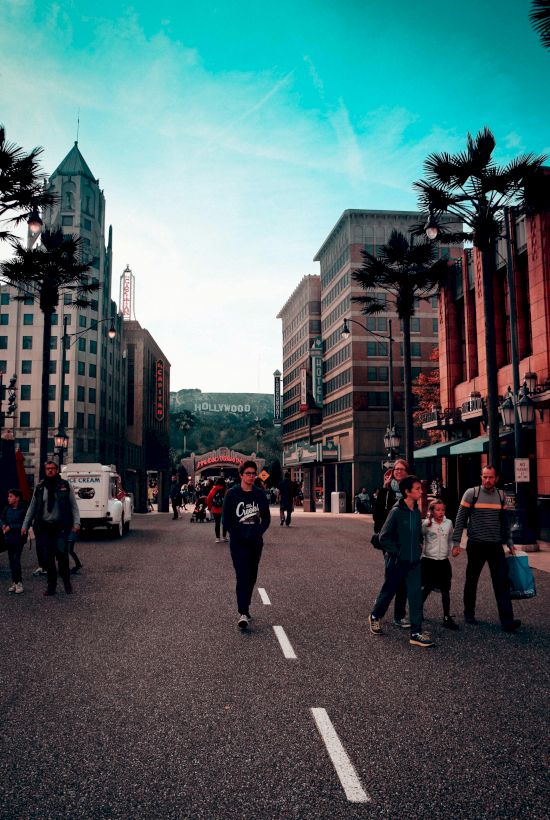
<point>396,573</point>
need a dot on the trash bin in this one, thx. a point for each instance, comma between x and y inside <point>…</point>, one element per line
<point>337,502</point>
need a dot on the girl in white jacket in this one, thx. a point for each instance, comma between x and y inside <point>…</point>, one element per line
<point>437,531</point>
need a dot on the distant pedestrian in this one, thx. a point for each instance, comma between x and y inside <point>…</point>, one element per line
<point>175,495</point>
<point>362,502</point>
<point>183,497</point>
<point>246,517</point>
<point>437,532</point>
<point>386,497</point>
<point>11,522</point>
<point>287,492</point>
<point>53,514</point>
<point>483,509</point>
<point>400,538</point>
<point>214,502</point>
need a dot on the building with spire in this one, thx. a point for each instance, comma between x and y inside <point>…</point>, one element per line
<point>92,405</point>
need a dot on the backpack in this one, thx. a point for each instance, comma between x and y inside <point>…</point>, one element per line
<point>217,500</point>
<point>477,491</point>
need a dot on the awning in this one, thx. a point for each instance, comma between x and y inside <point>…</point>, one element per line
<point>471,446</point>
<point>437,450</point>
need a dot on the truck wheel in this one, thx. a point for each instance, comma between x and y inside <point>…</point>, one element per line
<point>118,529</point>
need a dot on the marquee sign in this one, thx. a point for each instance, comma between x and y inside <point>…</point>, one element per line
<point>303,390</point>
<point>159,387</point>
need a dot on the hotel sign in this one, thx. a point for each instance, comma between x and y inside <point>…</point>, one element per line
<point>159,388</point>
<point>317,370</point>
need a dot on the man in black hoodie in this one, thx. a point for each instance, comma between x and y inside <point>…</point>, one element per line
<point>246,517</point>
<point>401,540</point>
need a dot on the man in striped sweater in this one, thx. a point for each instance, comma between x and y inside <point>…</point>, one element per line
<point>483,509</point>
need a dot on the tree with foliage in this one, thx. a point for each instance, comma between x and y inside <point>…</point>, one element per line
<point>184,420</point>
<point>471,187</point>
<point>49,270</point>
<point>407,271</point>
<point>21,184</point>
<point>540,20</point>
<point>426,389</point>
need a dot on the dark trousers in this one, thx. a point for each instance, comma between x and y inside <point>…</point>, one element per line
<point>217,522</point>
<point>246,558</point>
<point>72,553</point>
<point>286,518</point>
<point>174,502</point>
<point>14,555</point>
<point>478,553</point>
<point>54,545</point>
<point>398,573</point>
<point>437,574</point>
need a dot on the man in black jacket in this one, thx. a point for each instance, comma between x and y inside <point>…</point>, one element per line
<point>401,540</point>
<point>53,514</point>
<point>246,517</point>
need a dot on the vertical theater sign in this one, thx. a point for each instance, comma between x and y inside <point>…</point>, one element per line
<point>159,386</point>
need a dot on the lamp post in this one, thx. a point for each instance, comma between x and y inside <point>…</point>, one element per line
<point>392,439</point>
<point>185,427</point>
<point>259,432</point>
<point>61,438</point>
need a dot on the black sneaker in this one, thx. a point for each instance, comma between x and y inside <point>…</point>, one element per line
<point>471,619</point>
<point>512,626</point>
<point>449,623</point>
<point>375,626</point>
<point>421,639</point>
<point>48,592</point>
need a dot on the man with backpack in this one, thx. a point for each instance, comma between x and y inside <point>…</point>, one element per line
<point>214,502</point>
<point>483,510</point>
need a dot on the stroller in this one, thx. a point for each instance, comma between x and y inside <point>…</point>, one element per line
<point>198,516</point>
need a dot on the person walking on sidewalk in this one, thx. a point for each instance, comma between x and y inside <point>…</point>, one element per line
<point>287,491</point>
<point>386,497</point>
<point>214,502</point>
<point>246,517</point>
<point>483,509</point>
<point>11,522</point>
<point>400,539</point>
<point>53,513</point>
<point>437,533</point>
<point>175,496</point>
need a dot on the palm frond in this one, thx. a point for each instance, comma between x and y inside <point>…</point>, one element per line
<point>480,150</point>
<point>540,20</point>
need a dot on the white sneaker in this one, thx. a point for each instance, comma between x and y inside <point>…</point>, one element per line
<point>40,571</point>
<point>242,623</point>
<point>13,587</point>
<point>19,587</point>
<point>218,540</point>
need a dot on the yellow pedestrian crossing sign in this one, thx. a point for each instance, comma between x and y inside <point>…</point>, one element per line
<point>264,475</point>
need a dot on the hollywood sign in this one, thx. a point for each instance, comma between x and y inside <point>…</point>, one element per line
<point>206,407</point>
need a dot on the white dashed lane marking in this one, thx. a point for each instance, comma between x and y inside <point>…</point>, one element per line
<point>286,646</point>
<point>264,596</point>
<point>340,760</point>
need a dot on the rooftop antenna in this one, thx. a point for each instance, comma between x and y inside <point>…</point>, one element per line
<point>77,125</point>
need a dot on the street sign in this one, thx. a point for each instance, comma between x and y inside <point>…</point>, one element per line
<point>264,475</point>
<point>387,465</point>
<point>521,469</point>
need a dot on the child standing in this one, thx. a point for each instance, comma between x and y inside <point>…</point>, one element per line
<point>437,531</point>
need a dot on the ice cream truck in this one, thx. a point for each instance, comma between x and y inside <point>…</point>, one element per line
<point>101,499</point>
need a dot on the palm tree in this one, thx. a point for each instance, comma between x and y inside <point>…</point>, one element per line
<point>472,188</point>
<point>21,183</point>
<point>540,20</point>
<point>48,271</point>
<point>185,420</point>
<point>408,272</point>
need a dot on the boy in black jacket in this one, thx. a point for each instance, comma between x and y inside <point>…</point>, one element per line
<point>246,517</point>
<point>401,539</point>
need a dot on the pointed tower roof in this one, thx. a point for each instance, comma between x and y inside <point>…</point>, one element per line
<point>74,164</point>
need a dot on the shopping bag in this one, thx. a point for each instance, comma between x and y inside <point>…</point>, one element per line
<point>522,582</point>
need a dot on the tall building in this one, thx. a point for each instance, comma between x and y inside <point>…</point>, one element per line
<point>337,441</point>
<point>93,404</point>
<point>147,415</point>
<point>462,415</point>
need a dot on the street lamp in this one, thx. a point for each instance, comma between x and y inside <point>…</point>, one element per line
<point>392,439</point>
<point>61,439</point>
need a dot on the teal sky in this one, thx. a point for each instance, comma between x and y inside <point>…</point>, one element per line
<point>230,136</point>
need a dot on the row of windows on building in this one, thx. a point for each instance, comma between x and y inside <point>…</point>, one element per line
<point>5,299</point>
<point>313,326</point>
<point>311,308</point>
<point>27,344</point>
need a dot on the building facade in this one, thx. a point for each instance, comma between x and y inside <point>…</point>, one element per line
<point>462,416</point>
<point>336,438</point>
<point>147,415</point>
<point>92,404</point>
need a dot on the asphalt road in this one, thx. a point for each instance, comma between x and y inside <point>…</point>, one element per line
<point>138,697</point>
